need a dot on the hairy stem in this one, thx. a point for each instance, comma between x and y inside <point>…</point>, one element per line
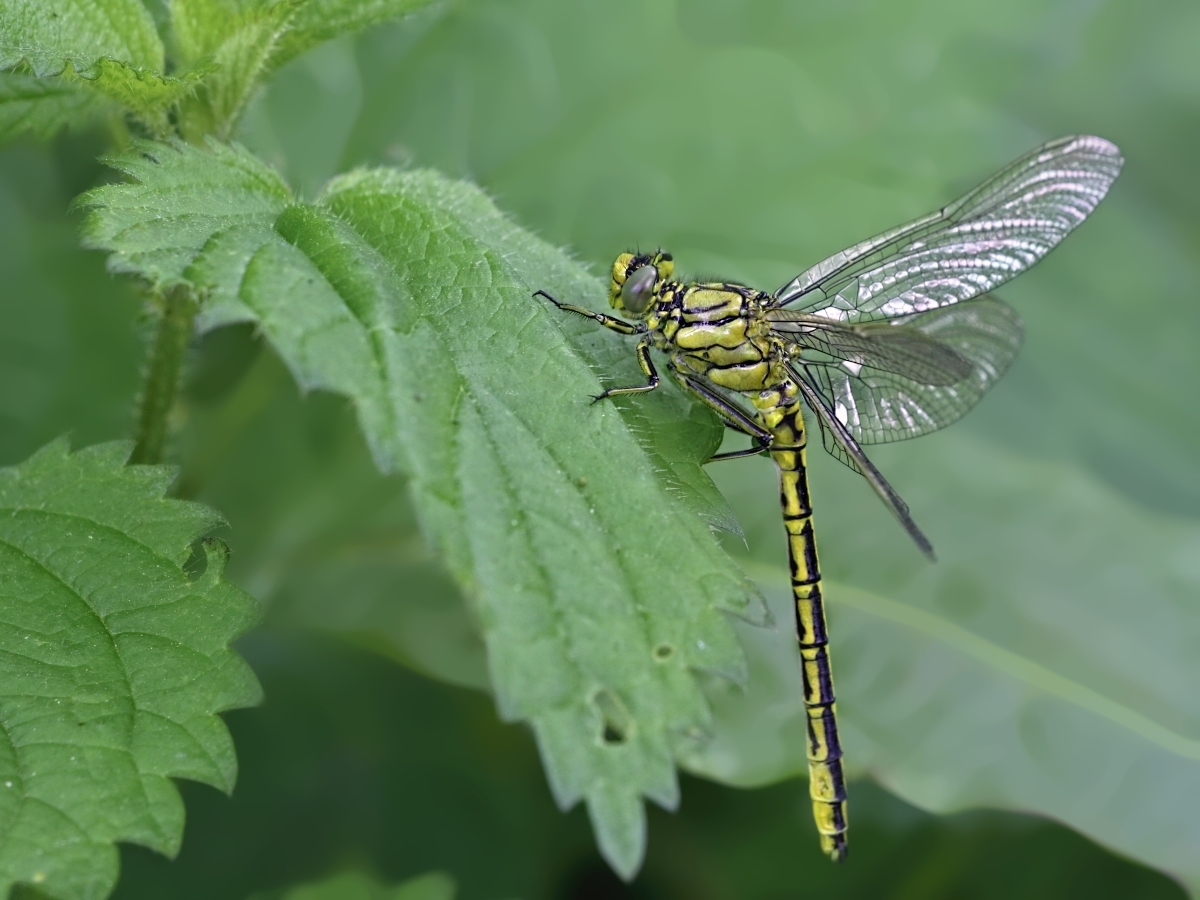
<point>176,314</point>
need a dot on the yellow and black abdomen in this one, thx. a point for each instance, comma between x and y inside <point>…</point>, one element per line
<point>714,333</point>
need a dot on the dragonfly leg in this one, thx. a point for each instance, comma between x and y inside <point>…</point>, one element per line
<point>618,325</point>
<point>738,454</point>
<point>647,364</point>
<point>731,414</point>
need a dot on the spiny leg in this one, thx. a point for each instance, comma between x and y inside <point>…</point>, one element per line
<point>647,364</point>
<point>618,325</point>
<point>731,414</point>
<point>827,783</point>
<point>756,450</point>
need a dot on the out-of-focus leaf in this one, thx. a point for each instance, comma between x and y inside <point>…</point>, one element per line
<point>115,666</point>
<point>358,886</point>
<point>249,40</point>
<point>240,39</point>
<point>411,294</point>
<point>50,36</point>
<point>69,349</point>
<point>41,107</point>
<point>1035,668</point>
<point>317,21</point>
<point>324,540</point>
<point>111,47</point>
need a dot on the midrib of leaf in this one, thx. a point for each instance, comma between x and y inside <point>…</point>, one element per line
<point>411,294</point>
<point>994,656</point>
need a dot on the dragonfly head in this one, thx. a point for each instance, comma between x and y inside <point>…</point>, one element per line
<point>637,280</point>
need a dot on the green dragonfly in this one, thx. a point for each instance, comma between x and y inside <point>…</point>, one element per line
<point>890,339</point>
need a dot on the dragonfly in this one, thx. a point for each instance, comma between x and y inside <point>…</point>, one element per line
<point>892,338</point>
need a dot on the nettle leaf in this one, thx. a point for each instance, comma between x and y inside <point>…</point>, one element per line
<point>248,40</point>
<point>241,39</point>
<point>41,107</point>
<point>49,36</point>
<point>110,47</point>
<point>146,93</point>
<point>113,669</point>
<point>410,293</point>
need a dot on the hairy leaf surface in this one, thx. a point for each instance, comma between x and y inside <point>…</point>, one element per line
<point>113,669</point>
<point>51,36</point>
<point>410,293</point>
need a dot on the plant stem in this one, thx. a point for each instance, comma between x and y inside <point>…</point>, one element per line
<point>176,315</point>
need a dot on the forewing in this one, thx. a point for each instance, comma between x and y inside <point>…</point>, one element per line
<point>877,403</point>
<point>980,241</point>
<point>887,346</point>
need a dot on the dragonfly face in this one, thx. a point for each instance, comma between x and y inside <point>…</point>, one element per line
<point>890,339</point>
<point>638,280</point>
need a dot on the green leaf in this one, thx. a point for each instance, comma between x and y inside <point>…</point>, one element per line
<point>241,40</point>
<point>358,886</point>
<point>110,47</point>
<point>1010,675</point>
<point>248,40</point>
<point>49,36</point>
<point>144,92</point>
<point>410,294</point>
<point>41,107</point>
<point>114,667</point>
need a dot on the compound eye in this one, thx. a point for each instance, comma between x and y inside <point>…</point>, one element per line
<point>638,288</point>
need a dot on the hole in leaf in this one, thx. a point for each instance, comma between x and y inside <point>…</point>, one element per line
<point>616,718</point>
<point>197,561</point>
<point>663,652</point>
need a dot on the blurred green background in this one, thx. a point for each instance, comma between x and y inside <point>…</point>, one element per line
<point>752,139</point>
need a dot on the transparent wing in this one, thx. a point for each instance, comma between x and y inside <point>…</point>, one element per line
<point>834,432</point>
<point>902,349</point>
<point>980,241</point>
<point>882,389</point>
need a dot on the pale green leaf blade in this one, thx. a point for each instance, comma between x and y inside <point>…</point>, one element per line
<point>50,36</point>
<point>114,666</point>
<point>1034,668</point>
<point>410,293</point>
<point>41,107</point>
